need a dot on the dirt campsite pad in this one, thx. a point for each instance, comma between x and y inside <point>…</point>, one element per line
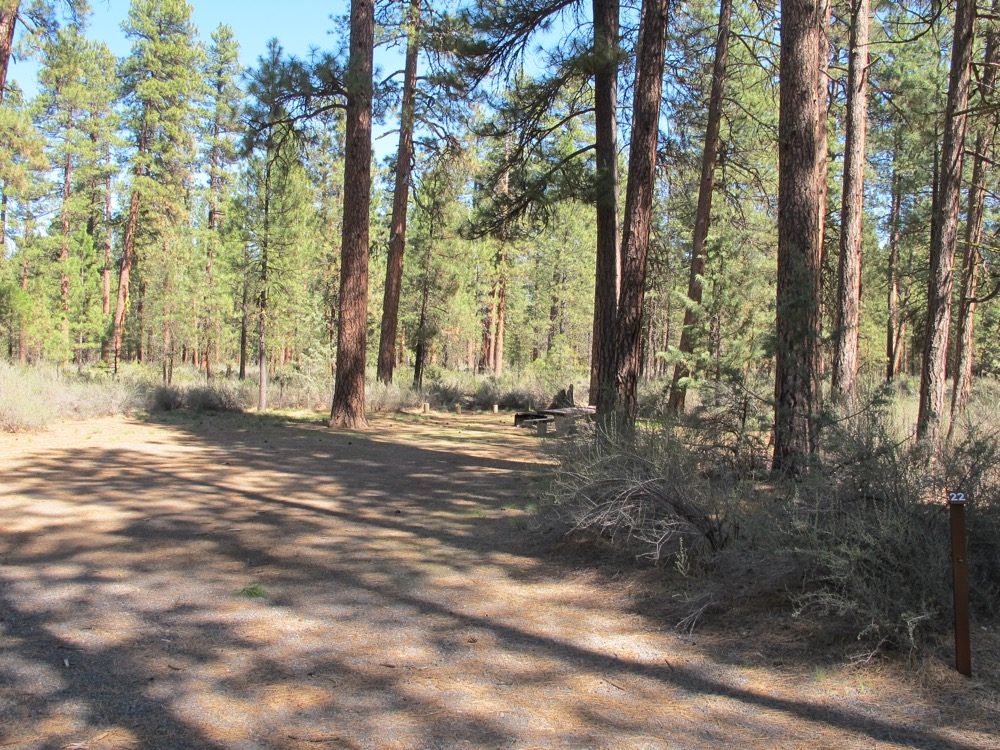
<point>257,582</point>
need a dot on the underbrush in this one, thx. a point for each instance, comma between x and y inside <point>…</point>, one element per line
<point>860,546</point>
<point>216,397</point>
<point>33,398</point>
<point>510,391</point>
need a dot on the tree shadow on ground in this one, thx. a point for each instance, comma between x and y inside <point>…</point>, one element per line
<point>232,582</point>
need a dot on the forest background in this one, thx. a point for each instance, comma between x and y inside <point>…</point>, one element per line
<point>611,199</point>
<point>201,279</point>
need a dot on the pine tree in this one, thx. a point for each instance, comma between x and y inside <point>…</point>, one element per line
<point>703,217</point>
<point>349,389</point>
<point>847,327</point>
<point>74,111</point>
<point>400,199</point>
<point>944,232</point>
<point>800,227</point>
<point>161,82</point>
<point>637,220</point>
<point>221,126</point>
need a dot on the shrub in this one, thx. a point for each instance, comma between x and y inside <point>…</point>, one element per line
<point>509,392</point>
<point>32,398</point>
<point>644,493</point>
<point>862,543</point>
<point>165,398</point>
<point>447,390</point>
<point>216,397</point>
<point>874,541</point>
<point>387,398</point>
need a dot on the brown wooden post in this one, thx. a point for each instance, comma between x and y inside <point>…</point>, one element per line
<point>960,578</point>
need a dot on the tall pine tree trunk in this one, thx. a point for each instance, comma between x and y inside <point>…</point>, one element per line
<point>945,231</point>
<point>400,202</point>
<point>64,255</point>
<point>846,330</point>
<point>106,271</point>
<point>608,265</point>
<point>637,223</point>
<point>893,327</point>
<point>22,328</point>
<point>128,256</point>
<point>703,214</point>
<point>262,292</point>
<point>425,294</point>
<point>501,313</point>
<point>244,313</point>
<point>964,335</point>
<point>8,20</point>
<point>800,228</point>
<point>349,390</point>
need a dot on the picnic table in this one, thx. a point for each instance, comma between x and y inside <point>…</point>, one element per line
<point>562,419</point>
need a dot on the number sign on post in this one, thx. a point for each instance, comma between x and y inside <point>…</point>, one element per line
<point>957,501</point>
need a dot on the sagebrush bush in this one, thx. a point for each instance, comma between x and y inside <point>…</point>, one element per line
<point>380,397</point>
<point>219,396</point>
<point>509,392</point>
<point>166,398</point>
<point>874,539</point>
<point>644,492</point>
<point>448,390</point>
<point>862,542</point>
<point>31,398</point>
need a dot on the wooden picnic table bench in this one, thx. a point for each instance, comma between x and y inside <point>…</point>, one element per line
<point>562,419</point>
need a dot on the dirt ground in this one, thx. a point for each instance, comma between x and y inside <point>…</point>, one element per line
<point>250,582</point>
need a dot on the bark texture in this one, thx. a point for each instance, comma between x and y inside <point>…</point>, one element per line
<point>703,214</point>
<point>8,20</point>
<point>893,331</point>
<point>637,222</point>
<point>67,191</point>
<point>800,228</point>
<point>846,331</point>
<point>945,230</point>
<point>106,270</point>
<point>349,389</point>
<point>400,202</point>
<point>965,331</point>
<point>608,265</point>
<point>128,258</point>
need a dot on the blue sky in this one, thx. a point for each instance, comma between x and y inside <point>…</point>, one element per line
<point>298,24</point>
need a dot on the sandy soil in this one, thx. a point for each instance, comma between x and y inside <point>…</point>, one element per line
<point>243,582</point>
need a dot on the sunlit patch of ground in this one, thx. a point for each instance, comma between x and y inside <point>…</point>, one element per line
<point>256,582</point>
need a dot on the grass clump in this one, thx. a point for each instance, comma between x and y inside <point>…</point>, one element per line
<point>253,591</point>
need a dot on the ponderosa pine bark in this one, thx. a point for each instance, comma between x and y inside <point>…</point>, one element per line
<point>892,326</point>
<point>945,230</point>
<point>703,213</point>
<point>637,222</point>
<point>500,329</point>
<point>400,202</point>
<point>8,20</point>
<point>608,264</point>
<point>128,255</point>
<point>965,331</point>
<point>263,280</point>
<point>349,389</point>
<point>846,331</point>
<point>800,227</point>
<point>67,191</point>
<point>106,270</point>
